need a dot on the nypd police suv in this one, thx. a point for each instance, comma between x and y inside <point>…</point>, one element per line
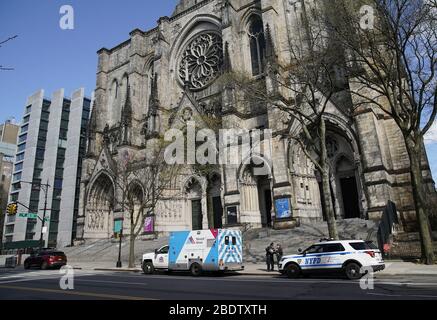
<point>352,257</point>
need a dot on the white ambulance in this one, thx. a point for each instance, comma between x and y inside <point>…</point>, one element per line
<point>197,251</point>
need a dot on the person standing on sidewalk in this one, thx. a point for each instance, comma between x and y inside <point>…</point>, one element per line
<point>279,253</point>
<point>270,251</point>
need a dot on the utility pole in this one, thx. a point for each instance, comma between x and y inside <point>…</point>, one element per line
<point>41,239</point>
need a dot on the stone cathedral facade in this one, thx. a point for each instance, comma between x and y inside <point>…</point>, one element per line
<point>160,78</point>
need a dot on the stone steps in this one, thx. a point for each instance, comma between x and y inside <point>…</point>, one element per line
<point>255,241</point>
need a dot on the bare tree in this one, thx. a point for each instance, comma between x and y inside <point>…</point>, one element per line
<point>143,184</point>
<point>301,92</point>
<point>2,68</point>
<point>393,68</point>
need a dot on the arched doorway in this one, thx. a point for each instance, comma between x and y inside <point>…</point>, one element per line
<point>347,188</point>
<point>215,207</point>
<point>193,190</point>
<point>136,197</point>
<point>256,198</point>
<point>100,207</point>
<point>345,181</point>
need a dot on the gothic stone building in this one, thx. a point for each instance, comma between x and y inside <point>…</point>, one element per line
<point>143,89</point>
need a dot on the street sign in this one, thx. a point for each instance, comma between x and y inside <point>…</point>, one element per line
<point>28,215</point>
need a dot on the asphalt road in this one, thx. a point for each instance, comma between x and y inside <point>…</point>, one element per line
<point>45,285</point>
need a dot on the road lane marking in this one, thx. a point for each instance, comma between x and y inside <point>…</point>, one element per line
<point>285,280</point>
<point>401,296</point>
<point>76,293</point>
<point>113,282</point>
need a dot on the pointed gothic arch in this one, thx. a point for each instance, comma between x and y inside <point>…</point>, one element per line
<point>100,206</point>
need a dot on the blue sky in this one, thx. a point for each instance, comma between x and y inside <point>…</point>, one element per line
<point>46,57</point>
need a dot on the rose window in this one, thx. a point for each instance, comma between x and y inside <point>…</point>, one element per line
<point>201,60</point>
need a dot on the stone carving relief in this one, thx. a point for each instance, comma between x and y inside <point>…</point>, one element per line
<point>201,60</point>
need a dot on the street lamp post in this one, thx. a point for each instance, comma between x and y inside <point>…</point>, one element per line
<point>119,264</point>
<point>41,239</point>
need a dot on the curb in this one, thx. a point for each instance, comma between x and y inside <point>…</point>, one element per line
<point>118,270</point>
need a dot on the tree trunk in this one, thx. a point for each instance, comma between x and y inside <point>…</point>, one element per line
<point>415,154</point>
<point>327,195</point>
<point>329,208</point>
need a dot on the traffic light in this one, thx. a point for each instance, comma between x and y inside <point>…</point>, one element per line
<point>12,209</point>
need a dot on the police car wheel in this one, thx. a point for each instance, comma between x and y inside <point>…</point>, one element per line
<point>353,271</point>
<point>44,266</point>
<point>195,270</point>
<point>292,271</point>
<point>148,267</point>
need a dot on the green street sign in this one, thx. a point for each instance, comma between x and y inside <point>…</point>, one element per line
<point>28,215</point>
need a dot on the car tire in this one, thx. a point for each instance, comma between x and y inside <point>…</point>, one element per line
<point>26,266</point>
<point>148,267</point>
<point>196,270</point>
<point>292,271</point>
<point>44,266</point>
<point>353,271</point>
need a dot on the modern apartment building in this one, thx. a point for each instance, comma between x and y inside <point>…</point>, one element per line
<point>51,146</point>
<point>8,145</point>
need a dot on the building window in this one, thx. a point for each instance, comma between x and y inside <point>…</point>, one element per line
<point>58,183</point>
<point>16,187</point>
<point>37,173</point>
<point>17,177</point>
<point>24,128</point>
<point>8,239</point>
<point>62,143</point>
<point>20,157</point>
<point>45,115</point>
<point>10,229</point>
<point>257,44</point>
<point>30,236</point>
<point>44,125</point>
<point>19,166</point>
<point>22,138</point>
<point>40,153</point>
<point>26,119</point>
<point>21,147</point>
<point>28,109</point>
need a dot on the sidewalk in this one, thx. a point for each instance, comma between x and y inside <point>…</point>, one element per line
<point>393,268</point>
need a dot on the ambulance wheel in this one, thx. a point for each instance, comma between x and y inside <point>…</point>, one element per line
<point>195,269</point>
<point>148,267</point>
<point>292,271</point>
<point>353,271</point>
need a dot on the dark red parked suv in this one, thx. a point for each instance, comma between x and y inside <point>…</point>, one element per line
<point>46,259</point>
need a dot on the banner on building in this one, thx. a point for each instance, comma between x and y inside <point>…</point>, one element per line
<point>149,225</point>
<point>283,208</point>
<point>118,225</point>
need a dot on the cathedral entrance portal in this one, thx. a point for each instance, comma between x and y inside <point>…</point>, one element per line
<point>256,202</point>
<point>349,192</point>
<point>196,212</point>
<point>100,206</point>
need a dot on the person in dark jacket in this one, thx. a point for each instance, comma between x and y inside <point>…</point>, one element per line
<point>270,251</point>
<point>279,253</point>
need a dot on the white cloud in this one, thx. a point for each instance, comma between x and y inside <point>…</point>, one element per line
<point>431,135</point>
